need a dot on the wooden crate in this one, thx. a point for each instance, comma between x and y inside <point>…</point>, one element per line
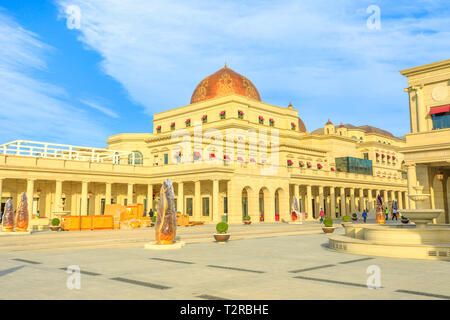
<point>182,219</point>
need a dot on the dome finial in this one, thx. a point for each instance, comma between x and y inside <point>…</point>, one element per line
<point>225,64</point>
<point>329,121</point>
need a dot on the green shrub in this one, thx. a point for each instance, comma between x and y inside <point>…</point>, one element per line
<point>346,218</point>
<point>328,222</point>
<point>354,215</point>
<point>222,227</point>
<point>55,222</point>
<point>247,218</point>
<point>154,218</point>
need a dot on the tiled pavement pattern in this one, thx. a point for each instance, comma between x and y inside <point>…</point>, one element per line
<point>297,266</point>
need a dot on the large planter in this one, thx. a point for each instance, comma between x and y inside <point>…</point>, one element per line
<point>247,222</point>
<point>222,237</point>
<point>354,218</point>
<point>328,229</point>
<point>405,221</point>
<point>54,228</point>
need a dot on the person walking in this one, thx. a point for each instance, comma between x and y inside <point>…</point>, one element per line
<point>364,215</point>
<point>387,214</point>
<point>151,213</point>
<point>321,215</point>
<point>394,214</point>
<point>337,212</point>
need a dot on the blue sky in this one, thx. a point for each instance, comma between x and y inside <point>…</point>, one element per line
<point>130,59</point>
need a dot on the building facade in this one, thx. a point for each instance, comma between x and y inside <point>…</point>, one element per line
<point>227,152</point>
<point>427,149</point>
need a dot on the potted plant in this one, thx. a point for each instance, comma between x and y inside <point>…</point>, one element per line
<point>55,224</point>
<point>222,235</point>
<point>247,220</point>
<point>404,220</point>
<point>328,225</point>
<point>345,219</point>
<point>354,217</point>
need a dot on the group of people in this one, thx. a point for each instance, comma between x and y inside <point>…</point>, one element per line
<point>364,214</point>
<point>394,214</point>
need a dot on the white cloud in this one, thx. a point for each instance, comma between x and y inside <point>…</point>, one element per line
<point>32,109</point>
<point>98,107</point>
<point>319,54</point>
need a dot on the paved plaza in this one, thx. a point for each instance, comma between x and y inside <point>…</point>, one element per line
<point>265,261</point>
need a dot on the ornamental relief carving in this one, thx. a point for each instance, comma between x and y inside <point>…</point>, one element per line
<point>225,85</point>
<point>439,93</point>
<point>250,90</point>
<point>200,92</point>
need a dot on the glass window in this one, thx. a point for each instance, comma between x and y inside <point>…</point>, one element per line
<point>225,205</point>
<point>189,206</point>
<point>205,207</point>
<point>354,165</point>
<point>138,158</point>
<point>116,158</point>
<point>441,120</point>
<point>166,158</point>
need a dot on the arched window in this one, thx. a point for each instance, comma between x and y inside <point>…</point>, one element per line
<point>116,159</point>
<point>138,158</point>
<point>354,137</point>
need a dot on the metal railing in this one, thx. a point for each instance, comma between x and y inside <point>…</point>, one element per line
<point>66,152</point>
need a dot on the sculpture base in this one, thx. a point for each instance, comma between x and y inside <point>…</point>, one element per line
<point>172,246</point>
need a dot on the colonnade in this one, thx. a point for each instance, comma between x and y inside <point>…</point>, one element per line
<point>346,200</point>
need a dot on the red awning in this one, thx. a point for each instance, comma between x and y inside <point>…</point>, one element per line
<point>440,109</point>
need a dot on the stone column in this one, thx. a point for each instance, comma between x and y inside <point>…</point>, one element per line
<point>412,182</point>
<point>385,198</point>
<point>421,112</point>
<point>369,198</point>
<point>130,194</point>
<point>84,198</point>
<point>58,195</point>
<point>197,201</point>
<point>332,203</point>
<point>180,197</point>
<point>150,197</point>
<point>362,205</point>
<point>406,205</point>
<point>30,196</point>
<point>1,189</point>
<point>234,197</point>
<point>215,199</point>
<point>308,201</point>
<point>321,204</point>
<point>400,199</point>
<point>108,193</point>
<point>352,200</point>
<point>343,206</point>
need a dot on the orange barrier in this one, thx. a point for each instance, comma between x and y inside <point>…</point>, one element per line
<point>84,223</point>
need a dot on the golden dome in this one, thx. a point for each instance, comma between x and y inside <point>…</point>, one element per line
<point>223,82</point>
